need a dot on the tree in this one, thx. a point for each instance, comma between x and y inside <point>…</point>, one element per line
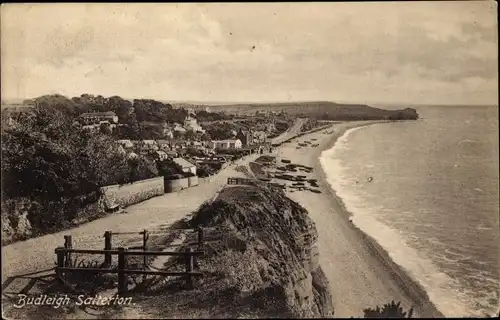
<point>150,131</point>
<point>119,106</point>
<point>105,128</point>
<point>389,310</point>
<point>168,168</point>
<point>59,167</point>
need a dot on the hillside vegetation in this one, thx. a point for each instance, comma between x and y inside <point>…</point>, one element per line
<point>321,110</point>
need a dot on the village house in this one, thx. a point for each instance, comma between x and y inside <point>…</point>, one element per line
<point>185,165</point>
<point>172,154</point>
<point>150,144</point>
<point>168,133</point>
<point>226,144</point>
<point>163,144</point>
<point>121,150</point>
<point>127,144</point>
<point>179,128</point>
<point>245,136</point>
<point>161,155</point>
<point>259,136</point>
<point>191,124</point>
<point>93,118</point>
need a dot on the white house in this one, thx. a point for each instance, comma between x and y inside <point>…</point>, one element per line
<point>97,117</point>
<point>125,143</point>
<point>185,165</point>
<point>179,128</point>
<point>161,155</point>
<point>226,144</point>
<point>150,145</point>
<point>191,124</point>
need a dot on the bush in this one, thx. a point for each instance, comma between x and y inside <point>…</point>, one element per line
<point>389,310</point>
<point>57,166</point>
<point>205,171</point>
<point>168,167</point>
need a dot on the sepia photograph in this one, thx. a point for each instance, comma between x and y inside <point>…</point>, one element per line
<point>250,160</point>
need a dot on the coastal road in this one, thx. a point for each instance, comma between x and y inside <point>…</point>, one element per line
<point>291,132</point>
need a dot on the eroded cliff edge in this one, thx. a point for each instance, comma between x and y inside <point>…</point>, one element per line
<point>263,262</point>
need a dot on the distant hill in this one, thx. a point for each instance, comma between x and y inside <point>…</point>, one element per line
<point>322,110</point>
<point>317,109</point>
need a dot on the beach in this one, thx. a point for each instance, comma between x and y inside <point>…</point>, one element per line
<point>360,272</point>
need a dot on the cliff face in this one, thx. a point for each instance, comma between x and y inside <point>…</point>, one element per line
<point>267,257</point>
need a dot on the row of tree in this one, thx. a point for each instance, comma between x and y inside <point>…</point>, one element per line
<point>60,168</point>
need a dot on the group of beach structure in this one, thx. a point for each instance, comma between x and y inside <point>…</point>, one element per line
<point>263,167</point>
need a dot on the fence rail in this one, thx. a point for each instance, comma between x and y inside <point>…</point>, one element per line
<point>64,255</point>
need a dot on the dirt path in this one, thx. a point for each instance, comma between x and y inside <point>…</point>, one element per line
<point>159,212</point>
<point>291,132</point>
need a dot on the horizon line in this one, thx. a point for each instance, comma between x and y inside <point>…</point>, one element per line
<point>18,101</point>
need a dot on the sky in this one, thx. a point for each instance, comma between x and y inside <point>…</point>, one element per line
<point>379,52</point>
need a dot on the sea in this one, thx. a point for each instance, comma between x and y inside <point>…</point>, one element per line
<point>428,192</point>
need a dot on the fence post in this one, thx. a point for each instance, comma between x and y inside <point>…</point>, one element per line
<point>200,243</point>
<point>107,246</point>
<point>60,262</point>
<point>145,238</point>
<point>122,277</point>
<point>189,268</point>
<point>68,244</point>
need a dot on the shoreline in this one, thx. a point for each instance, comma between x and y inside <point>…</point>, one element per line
<point>391,280</point>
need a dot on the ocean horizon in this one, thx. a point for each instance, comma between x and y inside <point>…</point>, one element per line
<point>427,191</point>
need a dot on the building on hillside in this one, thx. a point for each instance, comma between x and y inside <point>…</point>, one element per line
<point>163,144</point>
<point>172,154</point>
<point>98,117</point>
<point>168,133</point>
<point>226,144</point>
<point>161,155</point>
<point>127,144</point>
<point>121,149</point>
<point>89,127</point>
<point>179,128</point>
<point>191,124</point>
<point>150,144</point>
<point>196,143</point>
<point>185,165</point>
<point>259,136</point>
<point>246,137</point>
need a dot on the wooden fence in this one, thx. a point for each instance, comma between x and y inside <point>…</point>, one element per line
<point>236,180</point>
<point>64,258</point>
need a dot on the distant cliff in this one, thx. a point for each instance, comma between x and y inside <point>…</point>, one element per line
<point>267,263</point>
<point>322,110</point>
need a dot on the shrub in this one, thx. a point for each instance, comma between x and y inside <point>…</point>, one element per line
<point>57,166</point>
<point>389,310</point>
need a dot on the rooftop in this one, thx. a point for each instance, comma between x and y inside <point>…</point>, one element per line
<point>183,163</point>
<point>226,141</point>
<point>98,114</point>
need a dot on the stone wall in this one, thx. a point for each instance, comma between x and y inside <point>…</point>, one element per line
<point>175,185</point>
<point>128,194</point>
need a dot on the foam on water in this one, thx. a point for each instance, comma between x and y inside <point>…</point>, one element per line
<point>444,291</point>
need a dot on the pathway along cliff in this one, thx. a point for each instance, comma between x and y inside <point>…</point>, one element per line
<point>261,263</point>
